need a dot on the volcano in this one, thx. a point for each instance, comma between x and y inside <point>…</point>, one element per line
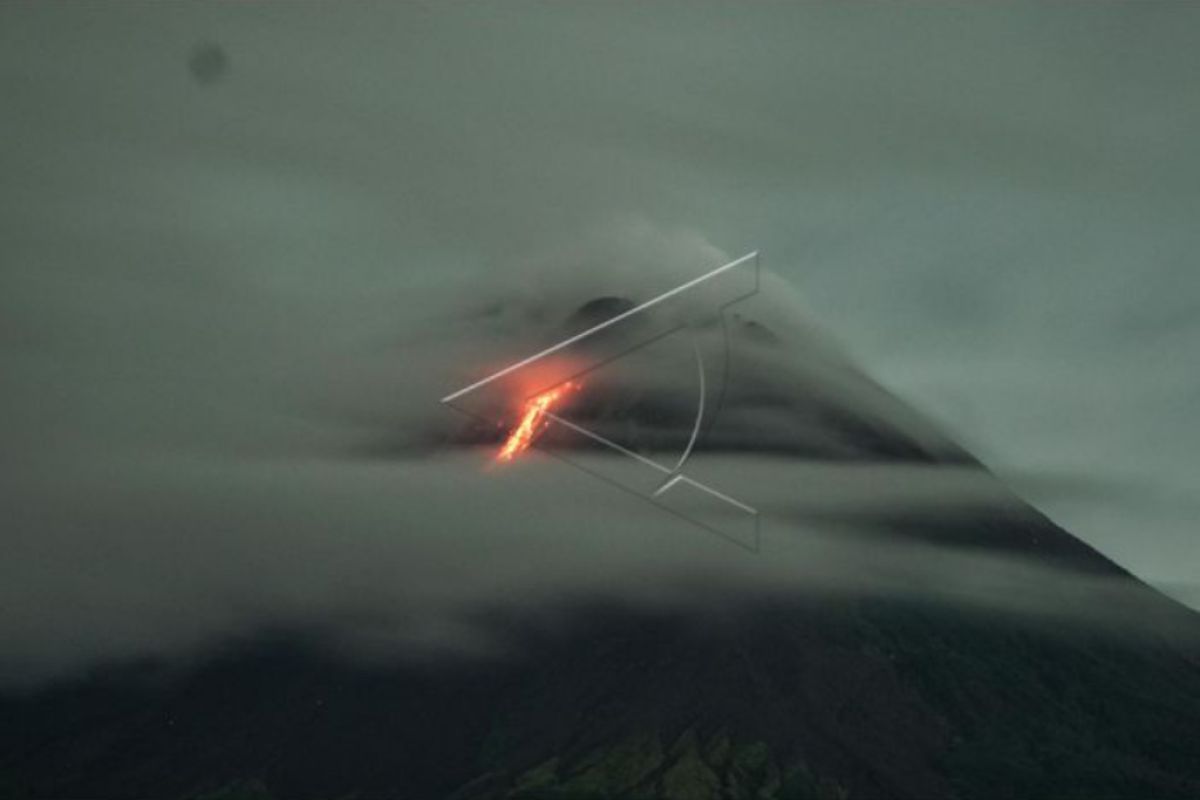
<point>781,700</point>
<point>780,696</point>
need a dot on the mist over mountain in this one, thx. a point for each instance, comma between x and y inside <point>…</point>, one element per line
<point>247,249</point>
<point>352,506</point>
<point>393,612</point>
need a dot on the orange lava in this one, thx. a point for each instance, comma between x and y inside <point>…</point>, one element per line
<point>533,421</point>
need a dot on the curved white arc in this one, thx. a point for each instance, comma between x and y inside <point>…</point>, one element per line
<point>687,451</point>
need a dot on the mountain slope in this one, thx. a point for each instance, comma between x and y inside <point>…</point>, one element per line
<point>782,698</point>
<point>787,693</point>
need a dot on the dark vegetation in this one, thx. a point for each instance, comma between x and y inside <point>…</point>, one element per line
<point>787,700</point>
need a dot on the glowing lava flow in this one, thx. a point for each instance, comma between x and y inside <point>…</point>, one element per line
<point>532,421</point>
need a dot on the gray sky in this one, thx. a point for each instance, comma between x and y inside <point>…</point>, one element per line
<point>992,208</point>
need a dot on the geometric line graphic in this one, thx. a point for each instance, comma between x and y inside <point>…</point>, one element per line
<point>699,302</point>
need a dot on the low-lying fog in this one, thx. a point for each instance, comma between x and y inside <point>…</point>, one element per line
<point>245,249</point>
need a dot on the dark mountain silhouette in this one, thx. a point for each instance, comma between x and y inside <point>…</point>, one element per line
<point>784,699</point>
<point>785,696</point>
